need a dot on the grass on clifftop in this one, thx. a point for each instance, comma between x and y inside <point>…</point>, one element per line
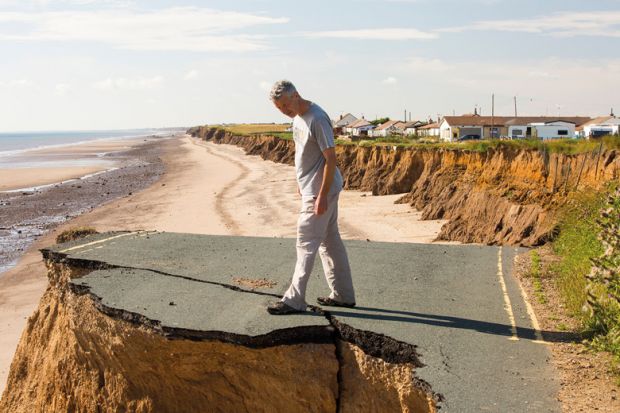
<point>576,244</point>
<point>592,297</point>
<point>565,146</point>
<point>255,128</point>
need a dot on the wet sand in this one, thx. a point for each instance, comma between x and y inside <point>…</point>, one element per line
<point>12,179</point>
<point>210,189</point>
<point>57,164</point>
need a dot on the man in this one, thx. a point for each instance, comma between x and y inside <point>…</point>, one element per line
<point>319,184</point>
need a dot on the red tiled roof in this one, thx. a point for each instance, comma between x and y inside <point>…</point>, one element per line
<point>387,124</point>
<point>511,120</point>
<point>433,125</point>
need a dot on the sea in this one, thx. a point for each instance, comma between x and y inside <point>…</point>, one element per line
<point>14,145</point>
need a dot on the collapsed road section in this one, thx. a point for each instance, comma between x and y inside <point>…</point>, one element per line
<point>158,322</point>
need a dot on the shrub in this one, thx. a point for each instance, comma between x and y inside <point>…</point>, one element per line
<point>603,282</point>
<point>74,233</point>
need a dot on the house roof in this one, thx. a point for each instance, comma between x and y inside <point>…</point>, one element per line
<point>433,125</point>
<point>477,120</point>
<point>526,120</point>
<point>406,125</point>
<point>358,123</point>
<point>345,120</point>
<point>387,124</point>
<point>596,121</point>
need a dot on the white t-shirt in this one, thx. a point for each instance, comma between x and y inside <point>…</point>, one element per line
<point>313,133</point>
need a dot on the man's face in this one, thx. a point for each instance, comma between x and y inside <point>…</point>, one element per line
<point>285,105</point>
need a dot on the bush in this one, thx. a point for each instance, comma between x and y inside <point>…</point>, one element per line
<point>603,282</point>
<point>74,233</point>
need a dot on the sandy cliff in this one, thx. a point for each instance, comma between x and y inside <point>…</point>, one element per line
<point>502,196</point>
<point>79,355</point>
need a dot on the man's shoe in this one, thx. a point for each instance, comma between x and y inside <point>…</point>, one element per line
<point>333,303</point>
<point>280,308</point>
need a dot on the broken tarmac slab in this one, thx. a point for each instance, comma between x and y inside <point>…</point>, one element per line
<point>446,300</point>
<point>183,308</point>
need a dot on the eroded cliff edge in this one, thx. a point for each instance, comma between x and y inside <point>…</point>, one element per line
<point>503,196</point>
<point>81,353</point>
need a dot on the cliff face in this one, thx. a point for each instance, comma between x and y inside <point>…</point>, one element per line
<point>76,356</point>
<point>502,196</point>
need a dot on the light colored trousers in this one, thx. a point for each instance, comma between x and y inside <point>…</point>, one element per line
<point>319,233</point>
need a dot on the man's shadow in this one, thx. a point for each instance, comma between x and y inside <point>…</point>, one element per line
<point>373,313</point>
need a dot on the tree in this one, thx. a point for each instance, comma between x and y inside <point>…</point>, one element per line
<point>379,121</point>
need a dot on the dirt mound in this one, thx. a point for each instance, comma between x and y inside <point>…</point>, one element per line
<point>501,196</point>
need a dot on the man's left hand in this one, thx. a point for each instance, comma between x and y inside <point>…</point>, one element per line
<point>320,205</point>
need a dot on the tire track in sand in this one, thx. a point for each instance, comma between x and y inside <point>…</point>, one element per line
<point>220,197</point>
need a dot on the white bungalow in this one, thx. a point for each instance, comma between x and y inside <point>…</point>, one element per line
<point>601,126</point>
<point>431,129</point>
<point>391,127</point>
<point>360,127</point>
<point>342,122</point>
<point>409,128</point>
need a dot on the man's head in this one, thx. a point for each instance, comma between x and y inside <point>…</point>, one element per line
<point>286,98</point>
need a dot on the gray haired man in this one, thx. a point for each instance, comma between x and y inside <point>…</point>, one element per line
<point>319,184</point>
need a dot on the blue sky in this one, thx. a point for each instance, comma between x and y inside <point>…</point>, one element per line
<point>88,64</point>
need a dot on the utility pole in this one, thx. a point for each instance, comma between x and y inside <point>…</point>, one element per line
<point>492,115</point>
<point>515,106</point>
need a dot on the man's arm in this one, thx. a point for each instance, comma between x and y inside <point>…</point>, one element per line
<point>329,170</point>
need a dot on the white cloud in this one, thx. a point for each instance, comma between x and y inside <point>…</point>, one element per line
<point>192,74</point>
<point>375,34</point>
<point>390,80</point>
<point>181,28</point>
<point>565,24</point>
<point>122,83</point>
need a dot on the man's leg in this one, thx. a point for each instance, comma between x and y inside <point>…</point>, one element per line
<point>335,260</point>
<point>311,231</point>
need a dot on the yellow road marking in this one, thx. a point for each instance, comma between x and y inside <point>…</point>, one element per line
<point>97,242</point>
<point>507,304</point>
<point>532,314</point>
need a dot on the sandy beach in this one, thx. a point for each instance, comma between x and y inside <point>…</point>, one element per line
<point>210,189</point>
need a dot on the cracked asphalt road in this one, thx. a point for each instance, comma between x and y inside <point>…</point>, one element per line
<point>459,304</point>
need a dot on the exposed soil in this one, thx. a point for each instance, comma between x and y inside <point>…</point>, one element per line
<point>74,357</point>
<point>505,196</point>
<point>587,383</point>
<point>254,283</point>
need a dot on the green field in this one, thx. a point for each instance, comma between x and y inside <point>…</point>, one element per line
<point>255,128</point>
<point>566,146</point>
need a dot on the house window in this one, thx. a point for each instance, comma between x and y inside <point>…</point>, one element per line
<point>494,132</point>
<point>562,132</point>
<point>517,132</point>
